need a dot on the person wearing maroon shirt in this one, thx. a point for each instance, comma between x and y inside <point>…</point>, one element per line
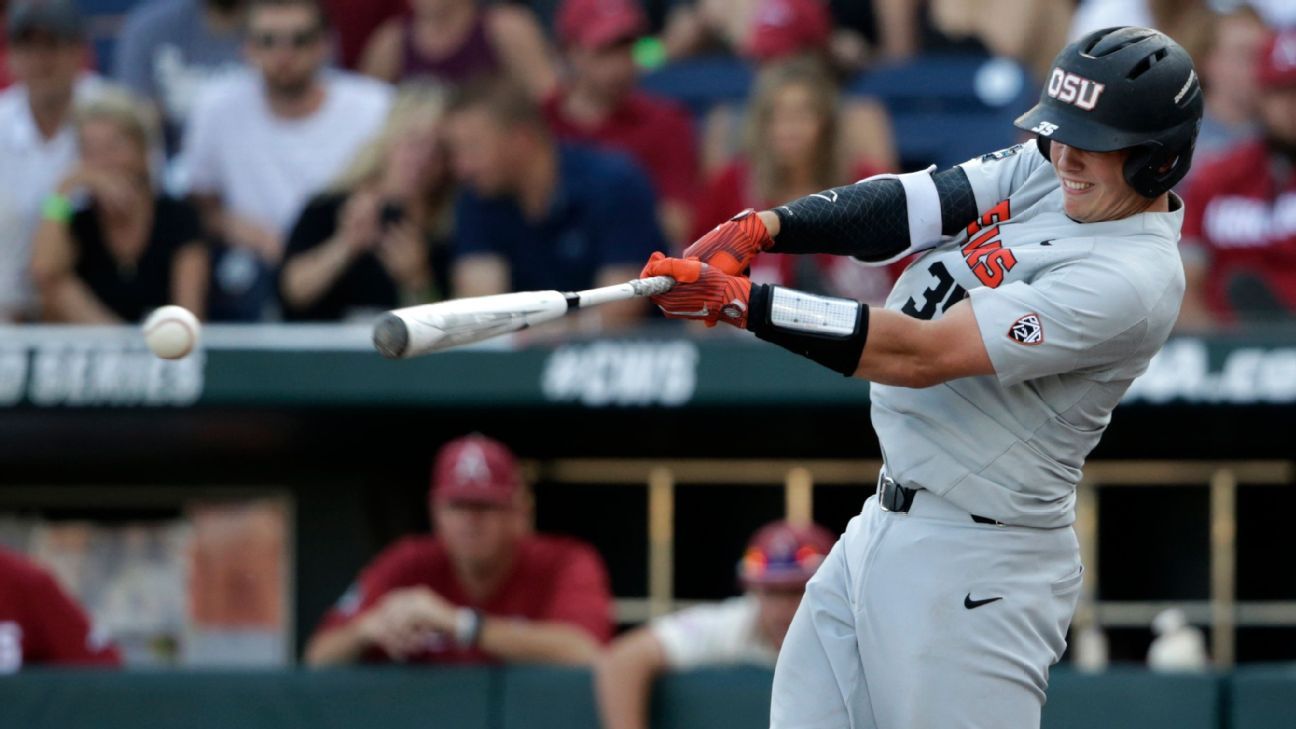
<point>1239,233</point>
<point>41,625</point>
<point>482,589</point>
<point>599,104</point>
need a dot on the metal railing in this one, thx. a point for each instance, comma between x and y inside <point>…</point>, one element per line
<point>799,479</point>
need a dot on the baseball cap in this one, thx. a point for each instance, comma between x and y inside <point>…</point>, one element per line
<point>600,23</point>
<point>1277,66</point>
<point>475,469</point>
<point>59,18</point>
<point>783,554</point>
<point>787,27</point>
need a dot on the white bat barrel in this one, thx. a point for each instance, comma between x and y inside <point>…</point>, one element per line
<point>417,330</point>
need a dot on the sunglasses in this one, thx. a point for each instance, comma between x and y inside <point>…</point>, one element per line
<point>296,40</point>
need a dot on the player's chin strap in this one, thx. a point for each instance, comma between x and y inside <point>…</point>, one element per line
<point>878,220</point>
<point>828,330</point>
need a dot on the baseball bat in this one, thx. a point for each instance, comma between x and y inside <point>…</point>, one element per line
<point>416,330</point>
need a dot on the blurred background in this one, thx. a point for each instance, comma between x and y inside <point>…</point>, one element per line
<point>287,169</point>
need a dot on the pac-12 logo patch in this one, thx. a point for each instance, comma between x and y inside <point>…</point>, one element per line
<point>1027,330</point>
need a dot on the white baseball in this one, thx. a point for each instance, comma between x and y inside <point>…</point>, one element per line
<point>171,332</point>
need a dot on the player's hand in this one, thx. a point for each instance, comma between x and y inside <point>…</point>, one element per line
<point>732,245</point>
<point>701,291</point>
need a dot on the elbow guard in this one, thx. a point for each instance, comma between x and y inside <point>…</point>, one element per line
<point>878,220</point>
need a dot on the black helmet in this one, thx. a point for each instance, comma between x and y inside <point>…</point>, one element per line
<point>1120,88</point>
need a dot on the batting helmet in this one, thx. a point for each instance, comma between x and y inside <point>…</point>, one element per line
<point>1123,88</point>
<point>784,554</point>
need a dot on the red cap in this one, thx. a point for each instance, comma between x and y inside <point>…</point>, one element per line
<point>600,23</point>
<point>1277,66</point>
<point>781,553</point>
<point>787,27</point>
<point>475,469</point>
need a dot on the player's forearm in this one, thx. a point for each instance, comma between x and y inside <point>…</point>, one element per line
<point>623,678</point>
<point>908,352</point>
<point>876,220</point>
<point>338,646</point>
<point>519,641</point>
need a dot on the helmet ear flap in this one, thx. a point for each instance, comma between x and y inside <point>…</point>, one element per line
<point>1043,144</point>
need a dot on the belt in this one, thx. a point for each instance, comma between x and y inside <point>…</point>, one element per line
<point>898,499</point>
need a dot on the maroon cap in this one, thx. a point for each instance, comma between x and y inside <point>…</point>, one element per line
<point>600,23</point>
<point>781,553</point>
<point>787,27</point>
<point>1277,66</point>
<point>475,469</point>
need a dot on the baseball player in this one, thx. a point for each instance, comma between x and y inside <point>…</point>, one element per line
<point>1046,276</point>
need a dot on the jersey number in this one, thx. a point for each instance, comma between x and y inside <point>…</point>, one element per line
<point>944,294</point>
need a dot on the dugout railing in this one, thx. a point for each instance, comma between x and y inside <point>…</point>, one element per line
<point>799,479</point>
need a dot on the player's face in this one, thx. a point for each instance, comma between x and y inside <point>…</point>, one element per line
<point>105,146</point>
<point>1093,184</point>
<point>480,148</point>
<point>777,606</point>
<point>794,125</point>
<point>478,536</point>
<point>1278,113</point>
<point>288,45</point>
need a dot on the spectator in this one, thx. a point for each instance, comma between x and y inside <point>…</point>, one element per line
<point>47,50</point>
<point>600,105</point>
<point>170,49</point>
<point>763,30</point>
<point>5,78</point>
<point>354,22</point>
<point>131,249</point>
<point>746,630</point>
<point>40,625</point>
<point>455,41</point>
<point>792,148</point>
<point>1228,71</point>
<point>1239,236</point>
<point>259,145</point>
<point>483,588</point>
<point>379,238</point>
<point>540,215</point>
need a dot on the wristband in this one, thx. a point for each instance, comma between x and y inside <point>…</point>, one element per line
<point>57,208</point>
<point>468,627</point>
<point>828,330</point>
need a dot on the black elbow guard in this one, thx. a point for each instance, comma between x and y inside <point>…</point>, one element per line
<point>828,330</point>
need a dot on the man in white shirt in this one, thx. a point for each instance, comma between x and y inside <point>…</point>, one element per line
<point>744,630</point>
<point>47,51</point>
<point>258,145</point>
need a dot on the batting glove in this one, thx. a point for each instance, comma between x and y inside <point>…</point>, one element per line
<point>701,292</point>
<point>732,245</point>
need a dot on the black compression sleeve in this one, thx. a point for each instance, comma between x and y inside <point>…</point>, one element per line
<point>868,220</point>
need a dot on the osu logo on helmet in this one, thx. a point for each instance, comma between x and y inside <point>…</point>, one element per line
<point>1072,89</point>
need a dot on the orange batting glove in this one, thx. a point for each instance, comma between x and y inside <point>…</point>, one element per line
<point>701,291</point>
<point>732,245</point>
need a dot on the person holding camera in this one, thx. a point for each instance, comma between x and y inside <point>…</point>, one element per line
<point>377,238</point>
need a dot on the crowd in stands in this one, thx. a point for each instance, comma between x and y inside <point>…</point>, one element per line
<point>322,160</point>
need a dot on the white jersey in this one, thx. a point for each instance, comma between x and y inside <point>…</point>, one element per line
<point>715,634</point>
<point>1070,314</point>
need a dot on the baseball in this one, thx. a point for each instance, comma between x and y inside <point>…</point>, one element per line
<point>171,332</point>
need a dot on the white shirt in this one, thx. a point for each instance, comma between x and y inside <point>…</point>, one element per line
<point>264,167</point>
<point>31,167</point>
<point>720,634</point>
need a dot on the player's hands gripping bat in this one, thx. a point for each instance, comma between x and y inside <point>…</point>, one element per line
<point>701,292</point>
<point>732,245</point>
<point>417,330</point>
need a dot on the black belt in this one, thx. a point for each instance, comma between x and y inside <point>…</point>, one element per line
<point>894,497</point>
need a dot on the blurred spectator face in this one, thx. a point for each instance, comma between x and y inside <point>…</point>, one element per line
<point>415,160</point>
<point>777,606</point>
<point>794,125</point>
<point>287,44</point>
<point>484,151</point>
<point>609,72</point>
<point>1278,112</point>
<point>479,536</point>
<point>47,63</point>
<point>1276,70</point>
<point>1230,69</point>
<point>105,145</point>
